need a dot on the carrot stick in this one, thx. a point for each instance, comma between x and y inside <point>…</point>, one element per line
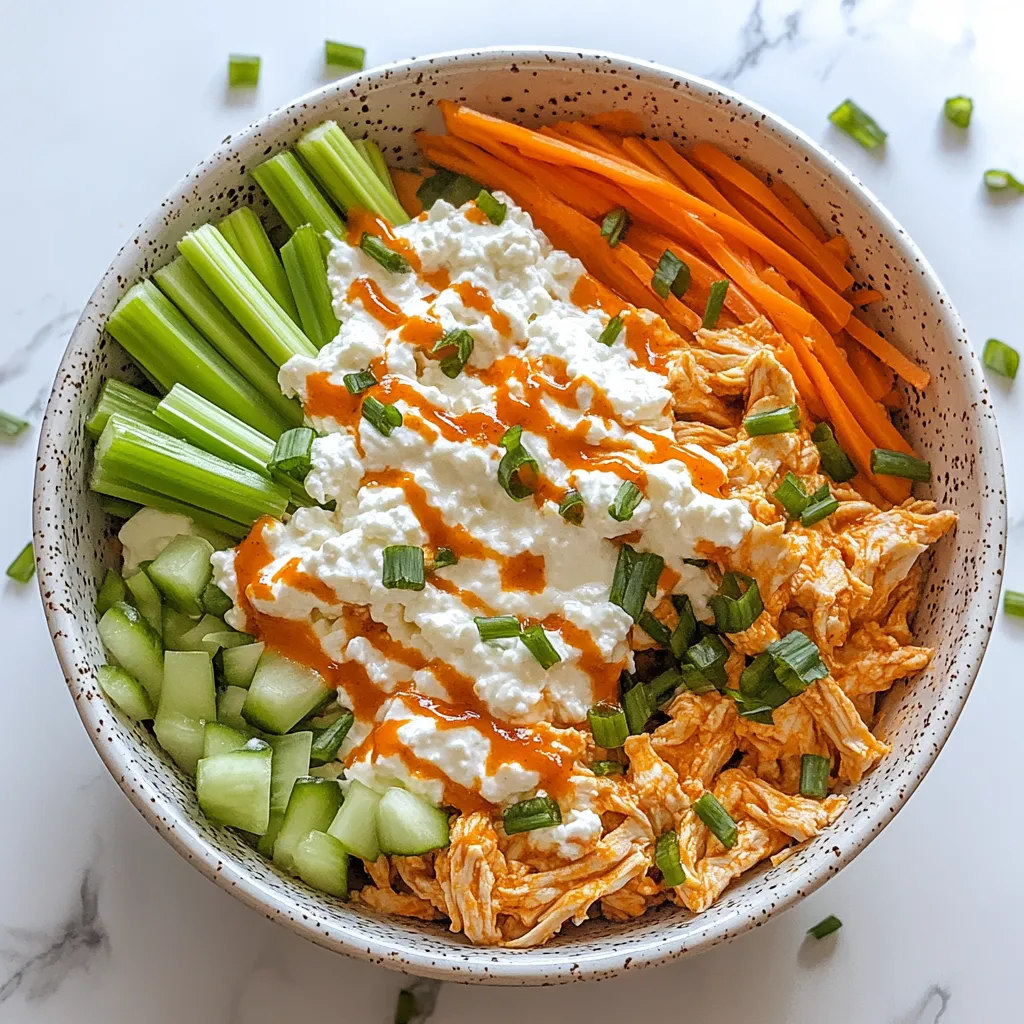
<point>891,356</point>
<point>693,180</point>
<point>790,198</point>
<point>877,379</point>
<point>406,184</point>
<point>623,121</point>
<point>867,490</point>
<point>804,384</point>
<point>839,247</point>
<point>864,296</point>
<point>590,138</point>
<point>772,277</point>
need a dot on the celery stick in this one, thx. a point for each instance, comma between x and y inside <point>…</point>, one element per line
<point>295,195</point>
<point>187,290</point>
<point>116,396</point>
<point>118,507</point>
<point>307,273</point>
<point>140,455</point>
<point>246,235</point>
<point>346,176</point>
<point>370,152</point>
<point>158,337</point>
<point>247,300</point>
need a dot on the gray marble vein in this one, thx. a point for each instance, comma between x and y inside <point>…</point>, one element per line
<point>929,1009</point>
<point>755,42</point>
<point>17,362</point>
<point>42,961</point>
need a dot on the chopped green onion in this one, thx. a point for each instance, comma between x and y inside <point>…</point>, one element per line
<point>858,124</point>
<point>819,508</point>
<point>713,310</point>
<point>536,641</point>
<point>356,383</point>
<point>655,629</point>
<point>571,508</point>
<point>404,567</point>
<point>381,415</point>
<point>443,557</point>
<point>245,233</point>
<point>695,680</point>
<point>637,707</point>
<point>834,461</point>
<point>1001,358</point>
<point>23,567</point>
<point>11,426</point>
<point>243,69</point>
<point>790,494</point>
<point>457,189</point>
<point>958,110</point>
<point>344,55</point>
<point>664,685</point>
<point>671,275</point>
<point>698,563</point>
<point>527,815</point>
<point>666,856</point>
<point>608,724</point>
<point>603,768</point>
<point>611,331</point>
<point>623,570</point>
<point>752,708</point>
<point>497,627</point>
<point>774,421</point>
<point>626,501</point>
<point>709,656</point>
<point>814,771</point>
<point>390,260</point>
<point>296,197</point>
<point>998,181</point>
<point>797,661</point>
<point>645,569</point>
<point>1013,603</point>
<point>686,629</point>
<point>759,683</point>
<point>889,463</point>
<point>614,226</point>
<point>306,270</point>
<point>462,341</point>
<point>717,819</point>
<point>827,927</point>
<point>327,741</point>
<point>494,209</point>
<point>293,453</point>
<point>734,610</point>
<point>516,458</point>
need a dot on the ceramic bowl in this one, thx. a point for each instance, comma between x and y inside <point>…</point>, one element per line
<point>952,425</point>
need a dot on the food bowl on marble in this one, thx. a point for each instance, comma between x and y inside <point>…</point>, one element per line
<point>952,424</point>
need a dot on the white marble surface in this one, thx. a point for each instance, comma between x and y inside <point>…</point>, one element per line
<point>106,104</point>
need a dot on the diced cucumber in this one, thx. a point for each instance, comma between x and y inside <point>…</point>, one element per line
<point>240,664</point>
<point>175,625</point>
<point>181,572</point>
<point>222,739</point>
<point>355,825</point>
<point>135,645</point>
<point>229,707</point>
<point>147,599</point>
<point>194,639</point>
<point>111,591</point>
<point>126,692</point>
<point>408,825</point>
<point>234,787</point>
<point>311,807</point>
<point>188,685</point>
<point>181,736</point>
<point>215,601</point>
<point>327,741</point>
<point>291,762</point>
<point>322,862</point>
<point>282,693</point>
<point>225,640</point>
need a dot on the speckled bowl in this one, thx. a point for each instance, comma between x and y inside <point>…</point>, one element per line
<point>953,425</point>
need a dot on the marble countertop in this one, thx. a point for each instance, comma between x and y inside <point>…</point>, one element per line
<point>108,103</point>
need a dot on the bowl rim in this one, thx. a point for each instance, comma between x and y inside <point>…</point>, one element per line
<point>177,827</point>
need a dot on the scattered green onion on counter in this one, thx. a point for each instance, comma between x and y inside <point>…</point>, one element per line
<point>834,461</point>
<point>958,110</point>
<point>713,310</point>
<point>611,331</point>
<point>827,927</point>
<point>11,426</point>
<point>243,69</point>
<point>858,124</point>
<point>1013,603</point>
<point>666,857</point>
<point>404,567</point>
<point>1001,358</point>
<point>626,501</point>
<point>773,421</point>
<point>671,275</point>
<point>889,463</point>
<point>344,55</point>
<point>1000,181</point>
<point>814,769</point>
<point>527,815</point>
<point>614,226</point>
<point>608,724</point>
<point>23,567</point>
<point>717,819</point>
<point>536,641</point>
<point>492,208</point>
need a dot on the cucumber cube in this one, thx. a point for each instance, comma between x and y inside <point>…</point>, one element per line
<point>240,664</point>
<point>408,825</point>
<point>182,737</point>
<point>111,591</point>
<point>312,806</point>
<point>282,693</point>
<point>234,787</point>
<point>181,572</point>
<point>355,825</point>
<point>229,707</point>
<point>147,599</point>
<point>126,692</point>
<point>188,685</point>
<point>322,862</point>
<point>135,645</point>
<point>222,739</point>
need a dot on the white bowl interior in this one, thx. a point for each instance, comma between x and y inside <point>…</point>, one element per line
<point>952,425</point>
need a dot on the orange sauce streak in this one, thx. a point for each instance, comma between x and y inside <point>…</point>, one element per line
<point>375,303</point>
<point>476,298</point>
<point>467,597</point>
<point>291,575</point>
<point>437,279</point>
<point>604,675</point>
<point>523,572</point>
<point>668,579</point>
<point>362,222</point>
<point>589,293</point>
<point>422,331</point>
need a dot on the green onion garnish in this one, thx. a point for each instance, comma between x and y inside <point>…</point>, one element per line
<point>462,341</point>
<point>327,742</point>
<point>814,771</point>
<point>709,656</point>
<point>819,508</point>
<point>666,856</point>
<point>516,457</point>
<point>404,567</point>
<point>527,815</point>
<point>608,724</point>
<point>24,566</point>
<point>494,209</point>
<point>11,426</point>
<point>384,417</point>
<point>356,383</point>
<point>637,707</point>
<point>958,110</point>
<point>644,571</point>
<point>623,570</point>
<point>1001,358</point>
<point>614,226</point>
<point>858,124</point>
<point>695,680</point>
<point>834,461</point>
<point>797,661</point>
<point>758,683</point>
<point>790,494</point>
<point>889,463</point>
<point>243,70</point>
<point>344,55</point>
<point>774,421</point>
<point>611,331</point>
<point>626,501</point>
<point>387,258</point>
<point>497,627</point>
<point>736,609</point>
<point>655,629</point>
<point>999,181</point>
<point>664,685</point>
<point>293,453</point>
<point>1013,602</point>
<point>456,189</point>
<point>827,927</point>
<point>713,310</point>
<point>571,507</point>
<point>752,708</point>
<point>602,768</point>
<point>698,563</point>
<point>536,641</point>
<point>686,629</point>
<point>671,275</point>
<point>442,557</point>
<point>717,819</point>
